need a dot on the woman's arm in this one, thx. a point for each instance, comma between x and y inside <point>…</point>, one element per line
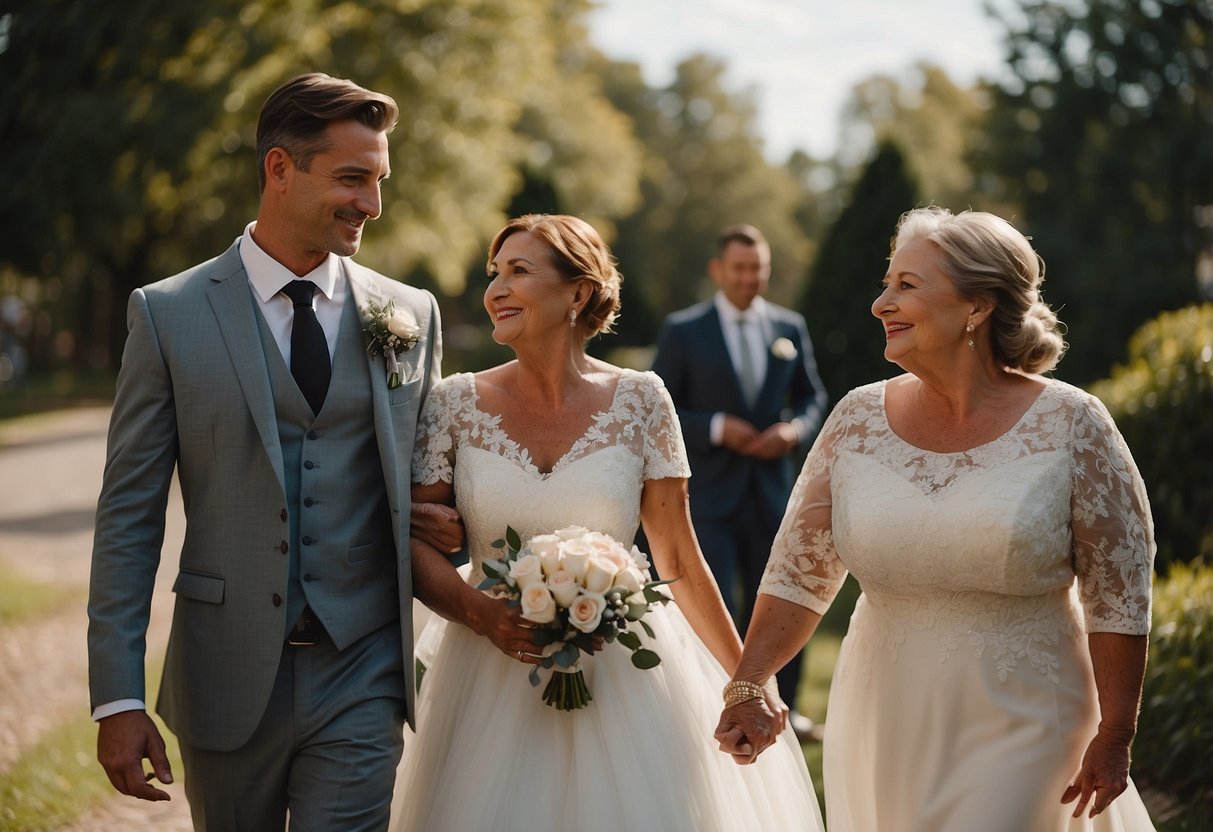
<point>665,512</point>
<point>1119,663</point>
<point>778,630</point>
<point>438,585</point>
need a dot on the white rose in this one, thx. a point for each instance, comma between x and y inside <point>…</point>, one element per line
<point>631,580</point>
<point>564,587</point>
<point>640,559</point>
<point>586,612</point>
<point>572,532</point>
<point>547,548</point>
<point>599,574</point>
<point>526,571</point>
<point>637,606</point>
<point>402,326</point>
<point>576,557</point>
<point>784,349</point>
<point>538,604</point>
<point>611,549</point>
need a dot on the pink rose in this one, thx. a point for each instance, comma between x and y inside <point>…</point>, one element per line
<point>538,605</point>
<point>586,612</point>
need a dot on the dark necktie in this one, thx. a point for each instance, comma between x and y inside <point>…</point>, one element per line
<point>310,364</point>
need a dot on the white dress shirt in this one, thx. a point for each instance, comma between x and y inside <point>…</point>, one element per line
<point>757,331</point>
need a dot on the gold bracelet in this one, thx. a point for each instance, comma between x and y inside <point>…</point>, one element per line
<point>741,690</point>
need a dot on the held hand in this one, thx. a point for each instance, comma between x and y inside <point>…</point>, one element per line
<point>778,708</point>
<point>746,730</point>
<point>438,525</point>
<point>737,434</point>
<point>1104,773</point>
<point>124,740</point>
<point>775,442</point>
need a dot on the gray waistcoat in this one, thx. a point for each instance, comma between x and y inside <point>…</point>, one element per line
<point>342,556</point>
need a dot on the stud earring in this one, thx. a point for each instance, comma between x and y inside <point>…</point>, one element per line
<point>573,317</point>
<point>969,329</point>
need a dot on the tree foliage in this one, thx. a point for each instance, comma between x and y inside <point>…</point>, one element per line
<point>930,117</point>
<point>1104,136</point>
<point>1161,399</point>
<point>845,278</point>
<point>703,170</point>
<point>129,131</point>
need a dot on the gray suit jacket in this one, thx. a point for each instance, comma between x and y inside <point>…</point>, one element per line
<point>193,394</point>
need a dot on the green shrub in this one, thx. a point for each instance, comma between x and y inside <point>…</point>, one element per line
<point>1175,730</point>
<point>1162,401</point>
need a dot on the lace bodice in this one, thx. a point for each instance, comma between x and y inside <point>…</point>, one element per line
<point>982,545</point>
<point>596,484</point>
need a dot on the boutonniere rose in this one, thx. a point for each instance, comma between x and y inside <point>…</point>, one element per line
<point>784,349</point>
<point>390,334</point>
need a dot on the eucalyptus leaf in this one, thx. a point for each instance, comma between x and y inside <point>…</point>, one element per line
<point>645,659</point>
<point>629,640</point>
<point>512,538</point>
<point>647,628</point>
<point>534,676</point>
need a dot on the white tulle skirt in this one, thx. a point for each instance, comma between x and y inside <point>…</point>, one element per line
<point>490,755</point>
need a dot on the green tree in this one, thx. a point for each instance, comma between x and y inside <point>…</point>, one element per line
<point>930,117</point>
<point>703,170</point>
<point>128,132</point>
<point>1103,135</point>
<point>845,278</point>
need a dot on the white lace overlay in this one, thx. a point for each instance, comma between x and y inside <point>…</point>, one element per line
<point>982,548</point>
<point>488,754</point>
<point>637,438</point>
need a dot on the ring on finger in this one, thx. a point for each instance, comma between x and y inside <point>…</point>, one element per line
<point>519,655</point>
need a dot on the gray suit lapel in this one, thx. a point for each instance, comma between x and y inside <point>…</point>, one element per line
<point>365,292</point>
<point>232,302</point>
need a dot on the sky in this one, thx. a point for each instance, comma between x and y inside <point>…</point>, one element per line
<point>802,56</point>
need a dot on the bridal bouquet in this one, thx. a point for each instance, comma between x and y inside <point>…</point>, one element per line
<point>577,585</point>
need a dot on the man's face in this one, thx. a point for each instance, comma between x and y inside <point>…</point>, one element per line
<point>742,272</point>
<point>329,203</point>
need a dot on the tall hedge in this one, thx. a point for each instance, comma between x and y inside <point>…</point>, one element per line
<point>1162,401</point>
<point>1175,730</point>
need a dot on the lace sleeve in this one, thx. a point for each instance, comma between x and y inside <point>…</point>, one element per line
<point>804,567</point>
<point>1113,532</point>
<point>665,453</point>
<point>434,447</point>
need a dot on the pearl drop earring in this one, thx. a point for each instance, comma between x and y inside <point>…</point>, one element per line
<point>573,317</point>
<point>969,329</point>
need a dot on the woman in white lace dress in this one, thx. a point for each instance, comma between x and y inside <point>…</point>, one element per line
<point>1000,532</point>
<point>554,439</point>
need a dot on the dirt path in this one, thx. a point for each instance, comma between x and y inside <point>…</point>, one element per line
<point>50,475</point>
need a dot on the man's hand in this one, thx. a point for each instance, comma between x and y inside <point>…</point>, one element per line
<point>438,525</point>
<point>775,442</point>
<point>737,434</point>
<point>124,741</point>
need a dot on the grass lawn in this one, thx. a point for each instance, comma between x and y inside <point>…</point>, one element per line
<point>22,599</point>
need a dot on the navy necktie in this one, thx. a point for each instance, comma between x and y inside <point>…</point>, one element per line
<point>310,363</point>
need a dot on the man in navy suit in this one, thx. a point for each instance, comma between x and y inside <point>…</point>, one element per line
<point>744,381</point>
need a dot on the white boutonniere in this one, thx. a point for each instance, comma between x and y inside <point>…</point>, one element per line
<point>784,349</point>
<point>390,334</point>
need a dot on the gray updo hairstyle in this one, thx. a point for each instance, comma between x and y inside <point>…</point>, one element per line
<point>985,256</point>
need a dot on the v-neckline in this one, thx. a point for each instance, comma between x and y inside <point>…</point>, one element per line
<point>524,453</point>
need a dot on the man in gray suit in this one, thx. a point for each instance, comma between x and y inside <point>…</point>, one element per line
<point>289,668</point>
<point>743,378</point>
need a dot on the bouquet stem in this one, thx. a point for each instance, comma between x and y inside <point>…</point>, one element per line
<point>567,690</point>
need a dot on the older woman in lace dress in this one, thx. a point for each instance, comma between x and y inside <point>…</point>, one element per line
<point>994,519</point>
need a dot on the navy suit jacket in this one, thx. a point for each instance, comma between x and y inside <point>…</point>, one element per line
<point>693,361</point>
